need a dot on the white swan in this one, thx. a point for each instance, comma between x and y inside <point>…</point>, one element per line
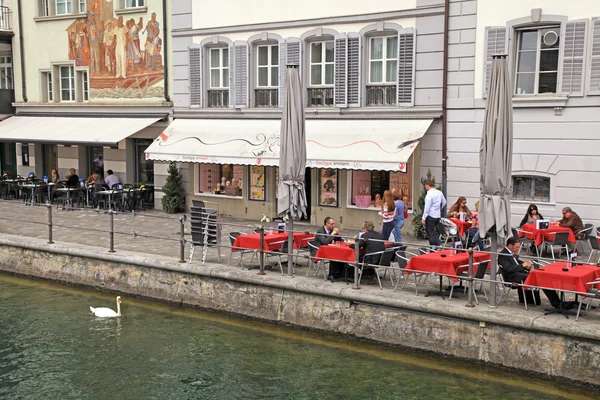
<point>104,312</point>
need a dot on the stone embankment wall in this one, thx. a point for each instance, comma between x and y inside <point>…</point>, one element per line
<point>473,334</point>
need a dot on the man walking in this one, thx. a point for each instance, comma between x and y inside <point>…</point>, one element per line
<point>434,202</point>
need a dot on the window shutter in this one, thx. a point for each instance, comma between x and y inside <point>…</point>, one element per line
<point>195,79</point>
<point>573,50</point>
<point>292,57</point>
<point>240,73</point>
<point>340,77</point>
<point>353,84</point>
<point>406,67</point>
<point>593,73</point>
<point>282,68</point>
<point>496,42</point>
<point>231,76</point>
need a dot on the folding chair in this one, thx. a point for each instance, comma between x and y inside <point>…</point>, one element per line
<point>402,263</point>
<point>314,263</point>
<point>561,239</point>
<point>593,292</point>
<point>524,240</point>
<point>581,235</point>
<point>594,246</point>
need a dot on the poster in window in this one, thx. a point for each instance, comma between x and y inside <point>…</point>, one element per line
<point>257,183</point>
<point>25,154</point>
<point>328,192</point>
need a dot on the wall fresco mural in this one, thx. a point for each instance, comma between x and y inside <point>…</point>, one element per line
<point>124,54</point>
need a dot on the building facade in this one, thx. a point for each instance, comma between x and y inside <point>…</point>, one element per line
<point>372,89</point>
<point>553,51</point>
<point>90,88</point>
<point>8,156</point>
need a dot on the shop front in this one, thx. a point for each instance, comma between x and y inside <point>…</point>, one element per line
<point>350,163</point>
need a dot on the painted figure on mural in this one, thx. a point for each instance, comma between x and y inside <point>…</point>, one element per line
<point>123,55</point>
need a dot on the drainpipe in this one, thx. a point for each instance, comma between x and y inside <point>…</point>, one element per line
<point>444,101</point>
<point>22,51</point>
<point>166,51</point>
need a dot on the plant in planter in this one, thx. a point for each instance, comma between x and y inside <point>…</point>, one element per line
<point>418,228</point>
<point>173,200</point>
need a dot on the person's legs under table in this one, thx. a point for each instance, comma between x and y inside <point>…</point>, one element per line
<point>430,225</point>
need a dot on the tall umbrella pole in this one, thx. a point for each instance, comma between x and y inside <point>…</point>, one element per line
<point>493,269</point>
<point>290,266</point>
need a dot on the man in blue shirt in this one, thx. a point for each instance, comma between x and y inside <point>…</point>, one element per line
<point>434,202</point>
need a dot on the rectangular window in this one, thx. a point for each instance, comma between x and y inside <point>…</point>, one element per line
<point>531,188</point>
<point>25,154</point>
<point>50,93</point>
<point>63,7</point>
<point>537,60</point>
<point>267,66</point>
<point>383,60</point>
<point>6,73</point>
<point>368,186</point>
<point>144,168</point>
<point>328,188</point>
<point>85,86</point>
<point>67,84</point>
<point>321,63</point>
<point>221,179</point>
<point>219,68</point>
<point>82,8</point>
<point>257,183</point>
<point>134,3</point>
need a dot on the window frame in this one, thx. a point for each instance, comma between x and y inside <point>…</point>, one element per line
<point>197,178</point>
<point>221,68</point>
<point>72,85</point>
<point>68,7</point>
<point>136,2</point>
<point>323,64</point>
<point>269,66</point>
<point>519,34</point>
<point>85,86</point>
<point>81,3</point>
<point>532,198</point>
<point>384,60</point>
<point>6,66</point>
<point>323,179</point>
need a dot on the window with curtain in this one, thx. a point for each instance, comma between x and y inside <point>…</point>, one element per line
<point>219,68</point>
<point>321,63</point>
<point>383,60</point>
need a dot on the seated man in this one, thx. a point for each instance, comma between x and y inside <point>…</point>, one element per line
<point>111,179</point>
<point>73,180</point>
<point>327,234</point>
<point>516,271</point>
<point>572,221</point>
<point>370,242</point>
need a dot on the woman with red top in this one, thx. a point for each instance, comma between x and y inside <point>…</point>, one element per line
<point>388,211</point>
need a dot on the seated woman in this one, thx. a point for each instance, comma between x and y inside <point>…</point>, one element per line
<point>54,176</point>
<point>531,216</point>
<point>473,231</point>
<point>458,207</point>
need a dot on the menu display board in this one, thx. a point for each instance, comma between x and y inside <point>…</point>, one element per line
<point>328,188</point>
<point>257,183</point>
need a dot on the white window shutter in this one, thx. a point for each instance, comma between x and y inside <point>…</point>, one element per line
<point>405,91</point>
<point>292,57</point>
<point>340,75</point>
<point>240,73</point>
<point>231,76</point>
<point>593,73</point>
<point>195,78</point>
<point>282,69</point>
<point>353,83</point>
<point>496,42</point>
<point>572,62</point>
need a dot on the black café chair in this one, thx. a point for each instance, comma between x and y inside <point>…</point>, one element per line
<point>561,239</point>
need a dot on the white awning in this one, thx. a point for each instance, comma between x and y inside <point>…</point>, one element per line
<point>71,130</point>
<point>345,144</point>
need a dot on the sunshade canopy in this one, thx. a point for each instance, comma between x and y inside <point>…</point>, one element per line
<point>346,144</point>
<point>71,130</point>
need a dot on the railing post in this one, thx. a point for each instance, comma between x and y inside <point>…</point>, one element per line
<point>356,263</point>
<point>262,250</point>
<point>182,239</point>
<point>470,303</point>
<point>49,208</point>
<point>112,231</point>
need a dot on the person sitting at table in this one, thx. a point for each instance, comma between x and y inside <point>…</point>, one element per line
<point>473,231</point>
<point>572,221</point>
<point>531,215</point>
<point>516,271</point>
<point>111,179</point>
<point>73,180</point>
<point>458,207</point>
<point>370,242</point>
<point>327,234</point>
<point>54,176</point>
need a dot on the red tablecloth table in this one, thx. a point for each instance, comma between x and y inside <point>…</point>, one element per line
<point>434,262</point>
<point>302,239</point>
<point>252,241</point>
<point>335,252</point>
<point>538,235</point>
<point>552,276</point>
<point>462,226</point>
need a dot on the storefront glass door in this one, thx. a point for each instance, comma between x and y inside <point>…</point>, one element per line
<point>8,159</point>
<point>49,158</point>
<point>144,169</point>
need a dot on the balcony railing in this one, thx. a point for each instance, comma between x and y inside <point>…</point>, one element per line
<point>5,19</point>
<point>320,97</point>
<point>381,95</point>
<point>218,98</point>
<point>266,98</point>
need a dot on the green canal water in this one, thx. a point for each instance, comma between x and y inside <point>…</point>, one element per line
<point>52,348</point>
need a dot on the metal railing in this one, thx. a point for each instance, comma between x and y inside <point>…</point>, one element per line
<point>320,97</point>
<point>266,98</point>
<point>5,19</point>
<point>381,95</point>
<point>218,98</point>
